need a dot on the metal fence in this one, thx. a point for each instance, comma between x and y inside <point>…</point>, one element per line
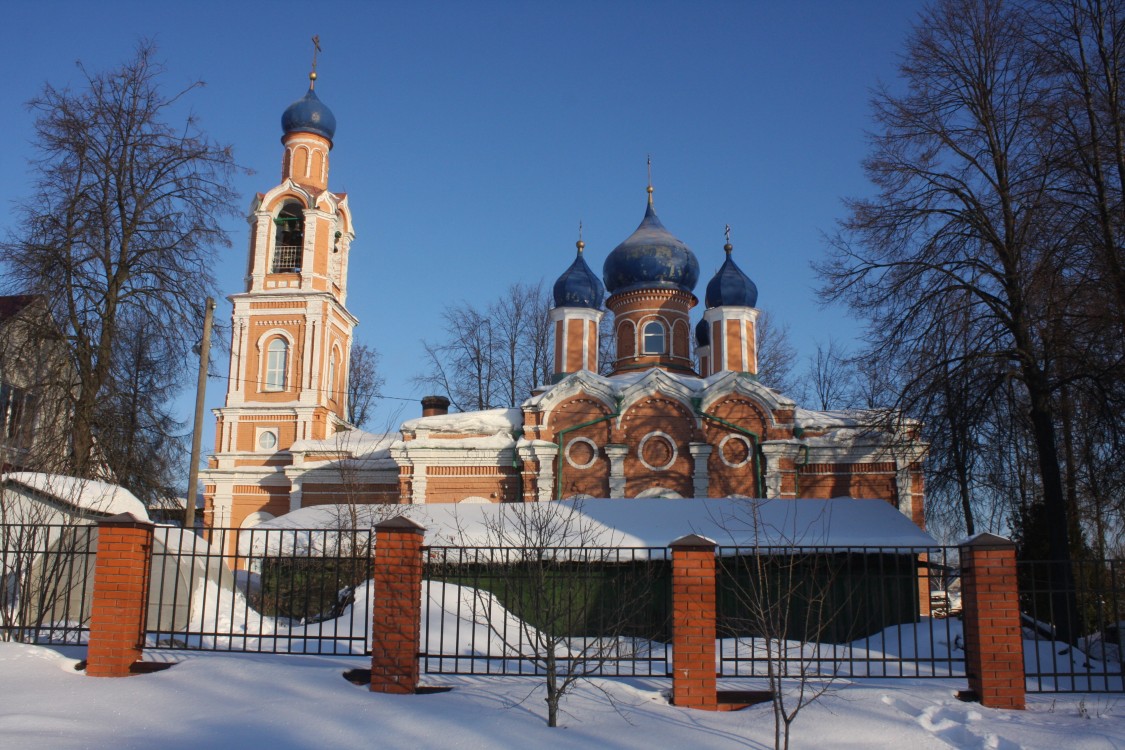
<point>839,612</point>
<point>273,591</point>
<point>1073,625</point>
<point>521,611</point>
<point>524,611</point>
<point>46,581</point>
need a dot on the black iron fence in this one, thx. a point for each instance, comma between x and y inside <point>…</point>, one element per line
<point>853,612</point>
<point>46,581</point>
<point>1073,625</point>
<point>526,611</point>
<point>261,590</point>
<point>839,612</point>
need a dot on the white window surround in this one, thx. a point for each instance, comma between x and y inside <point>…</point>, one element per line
<point>660,492</point>
<point>654,339</point>
<point>739,438</point>
<point>263,343</point>
<point>277,364</point>
<point>262,437</point>
<point>656,434</point>
<point>593,457</point>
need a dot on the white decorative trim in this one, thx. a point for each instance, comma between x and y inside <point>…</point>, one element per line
<point>700,478</point>
<point>259,432</point>
<point>593,458</point>
<point>651,436</point>
<point>742,439</point>
<point>616,454</point>
<point>660,492</point>
<point>904,489</point>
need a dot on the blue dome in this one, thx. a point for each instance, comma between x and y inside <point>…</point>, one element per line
<point>309,115</point>
<point>702,334</point>
<point>650,258</point>
<point>578,286</point>
<point>731,287</point>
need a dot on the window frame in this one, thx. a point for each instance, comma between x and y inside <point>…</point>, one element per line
<point>648,333</point>
<point>271,368</point>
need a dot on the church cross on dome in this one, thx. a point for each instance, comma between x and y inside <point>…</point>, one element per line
<point>316,49</point>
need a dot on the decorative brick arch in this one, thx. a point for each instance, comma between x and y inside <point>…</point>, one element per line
<point>681,340</point>
<point>626,339</point>
<point>582,468</point>
<point>657,429</point>
<point>734,429</point>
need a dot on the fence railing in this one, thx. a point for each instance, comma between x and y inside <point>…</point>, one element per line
<point>46,581</point>
<point>854,612</point>
<point>522,611</point>
<point>1088,603</point>
<point>273,591</point>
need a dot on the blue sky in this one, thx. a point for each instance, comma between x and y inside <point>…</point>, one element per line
<point>473,137</point>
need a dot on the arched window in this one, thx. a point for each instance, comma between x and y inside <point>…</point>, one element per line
<point>653,342</point>
<point>289,239</point>
<point>332,394</point>
<point>277,361</point>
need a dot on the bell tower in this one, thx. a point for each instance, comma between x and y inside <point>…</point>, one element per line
<point>291,334</point>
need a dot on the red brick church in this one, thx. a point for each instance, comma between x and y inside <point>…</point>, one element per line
<point>670,420</point>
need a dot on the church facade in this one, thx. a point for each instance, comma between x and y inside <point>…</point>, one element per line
<point>672,419</point>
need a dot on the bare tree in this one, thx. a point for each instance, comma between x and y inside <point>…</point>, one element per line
<point>783,585</point>
<point>964,208</point>
<point>776,354</point>
<point>365,384</point>
<point>492,357</point>
<point>523,340</point>
<point>554,592</point>
<point>124,217</point>
<point>829,382</point>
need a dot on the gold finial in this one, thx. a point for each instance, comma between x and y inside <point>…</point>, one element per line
<point>728,247</point>
<point>580,244</point>
<point>649,188</point>
<point>316,49</point>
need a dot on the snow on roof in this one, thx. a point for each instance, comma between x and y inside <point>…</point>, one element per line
<point>487,422</point>
<point>355,442</point>
<point>808,419</point>
<point>84,494</point>
<point>651,522</point>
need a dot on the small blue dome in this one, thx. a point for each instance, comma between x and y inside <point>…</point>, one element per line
<point>309,115</point>
<point>731,287</point>
<point>702,334</point>
<point>650,258</point>
<point>579,286</point>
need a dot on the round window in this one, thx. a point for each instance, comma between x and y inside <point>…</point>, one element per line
<point>581,453</point>
<point>267,441</point>
<point>657,451</point>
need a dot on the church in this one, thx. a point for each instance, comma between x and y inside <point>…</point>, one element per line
<point>674,418</point>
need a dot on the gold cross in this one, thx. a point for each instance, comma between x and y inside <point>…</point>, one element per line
<point>316,49</point>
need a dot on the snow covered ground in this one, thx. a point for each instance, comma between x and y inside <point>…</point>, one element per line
<point>282,702</point>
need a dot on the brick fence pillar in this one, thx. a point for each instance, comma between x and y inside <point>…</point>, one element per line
<point>120,598</point>
<point>397,609</point>
<point>991,613</point>
<point>693,623</point>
